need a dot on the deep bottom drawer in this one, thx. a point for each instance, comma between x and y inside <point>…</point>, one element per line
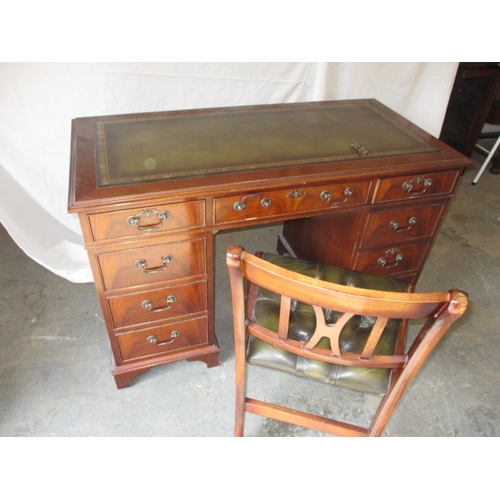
<point>162,339</point>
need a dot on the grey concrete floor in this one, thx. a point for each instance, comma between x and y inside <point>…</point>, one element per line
<point>55,370</point>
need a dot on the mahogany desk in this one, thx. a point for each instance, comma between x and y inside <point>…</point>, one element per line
<point>355,184</point>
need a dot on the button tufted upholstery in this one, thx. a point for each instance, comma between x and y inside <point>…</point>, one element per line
<point>302,325</point>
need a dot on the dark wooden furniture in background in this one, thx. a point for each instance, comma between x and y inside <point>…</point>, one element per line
<point>471,99</point>
<point>366,186</point>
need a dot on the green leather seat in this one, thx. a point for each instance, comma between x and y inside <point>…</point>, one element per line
<point>303,321</point>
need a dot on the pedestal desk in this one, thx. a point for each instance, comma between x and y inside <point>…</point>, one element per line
<point>355,184</point>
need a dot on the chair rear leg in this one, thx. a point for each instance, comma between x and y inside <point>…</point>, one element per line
<point>240,402</point>
<point>240,365</point>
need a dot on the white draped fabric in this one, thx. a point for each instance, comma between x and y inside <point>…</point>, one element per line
<point>39,100</point>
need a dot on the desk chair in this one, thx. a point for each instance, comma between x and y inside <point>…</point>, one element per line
<point>337,326</point>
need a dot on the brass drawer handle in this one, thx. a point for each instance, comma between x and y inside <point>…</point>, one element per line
<point>141,263</point>
<point>421,179</point>
<point>240,205</point>
<point>153,340</point>
<point>394,224</point>
<point>397,259</point>
<point>296,193</point>
<point>326,195</point>
<point>135,220</point>
<point>147,304</point>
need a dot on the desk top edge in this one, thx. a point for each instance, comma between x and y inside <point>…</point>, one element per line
<point>85,191</point>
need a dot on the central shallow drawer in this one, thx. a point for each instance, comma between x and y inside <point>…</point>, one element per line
<point>161,339</point>
<point>248,206</point>
<point>152,264</point>
<point>159,304</point>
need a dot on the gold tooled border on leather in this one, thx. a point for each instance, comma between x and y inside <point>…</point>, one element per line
<point>105,179</point>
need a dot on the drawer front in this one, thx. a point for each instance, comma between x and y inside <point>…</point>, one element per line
<point>152,264</point>
<point>414,187</point>
<point>288,201</point>
<point>159,304</point>
<point>405,224</point>
<point>148,220</point>
<point>391,260</point>
<point>163,339</point>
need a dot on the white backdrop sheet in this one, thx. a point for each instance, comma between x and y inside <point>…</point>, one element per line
<point>39,100</point>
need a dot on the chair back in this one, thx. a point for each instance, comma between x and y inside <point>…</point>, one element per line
<point>335,308</point>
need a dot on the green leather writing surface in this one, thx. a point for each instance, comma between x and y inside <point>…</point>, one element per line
<point>207,142</point>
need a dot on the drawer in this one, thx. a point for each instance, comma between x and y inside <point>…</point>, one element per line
<point>148,220</point>
<point>391,260</point>
<point>163,339</point>
<point>414,187</point>
<point>152,263</point>
<point>159,304</point>
<point>248,206</point>
<point>392,226</point>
